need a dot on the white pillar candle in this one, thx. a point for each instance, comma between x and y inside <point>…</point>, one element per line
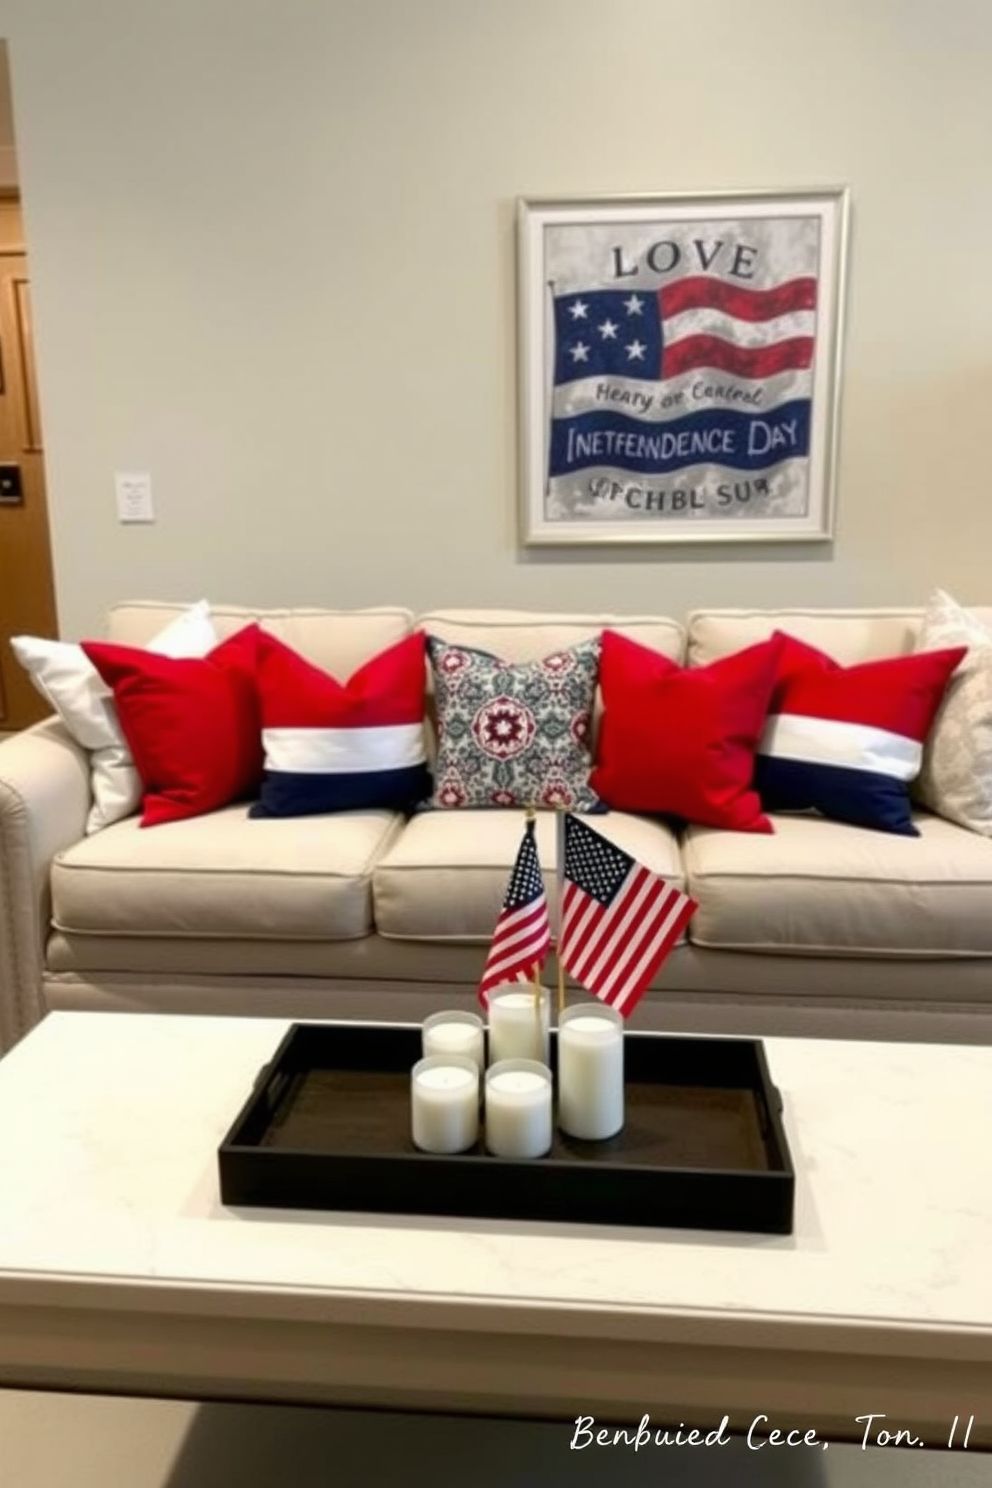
<point>519,1023</point>
<point>455,1033</point>
<point>518,1108</point>
<point>444,1103</point>
<point>590,1072</point>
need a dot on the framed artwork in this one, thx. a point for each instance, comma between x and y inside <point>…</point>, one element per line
<point>679,367</point>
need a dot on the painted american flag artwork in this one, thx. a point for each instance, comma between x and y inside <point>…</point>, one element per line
<point>680,361</point>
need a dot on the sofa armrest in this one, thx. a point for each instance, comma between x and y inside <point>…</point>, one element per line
<point>44,801</point>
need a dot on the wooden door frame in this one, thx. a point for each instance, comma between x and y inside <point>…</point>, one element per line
<point>21,705</point>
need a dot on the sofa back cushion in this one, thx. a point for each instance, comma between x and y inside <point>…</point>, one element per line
<point>848,636</point>
<point>527,635</point>
<point>339,641</point>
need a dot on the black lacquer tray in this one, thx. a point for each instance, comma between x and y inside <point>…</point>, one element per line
<point>327,1126</point>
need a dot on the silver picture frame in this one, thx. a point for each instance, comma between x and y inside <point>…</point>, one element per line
<point>679,366</point>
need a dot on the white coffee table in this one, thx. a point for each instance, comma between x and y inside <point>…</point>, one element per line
<point>120,1270</point>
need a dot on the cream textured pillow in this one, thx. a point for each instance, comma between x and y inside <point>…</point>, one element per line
<point>71,685</point>
<point>956,778</point>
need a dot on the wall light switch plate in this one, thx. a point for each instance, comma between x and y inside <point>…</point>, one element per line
<point>134,496</point>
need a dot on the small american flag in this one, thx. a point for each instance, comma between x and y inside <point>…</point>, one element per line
<point>619,921</point>
<point>522,938</point>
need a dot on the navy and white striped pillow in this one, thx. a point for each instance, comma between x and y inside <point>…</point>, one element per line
<point>847,741</point>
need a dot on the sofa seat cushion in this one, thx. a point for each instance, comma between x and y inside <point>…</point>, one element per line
<point>445,875</point>
<point>833,889</point>
<point>224,875</point>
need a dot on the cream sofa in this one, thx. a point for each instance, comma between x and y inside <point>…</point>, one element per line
<point>820,929</point>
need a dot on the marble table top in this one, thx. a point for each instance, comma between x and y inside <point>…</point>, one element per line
<point>110,1123</point>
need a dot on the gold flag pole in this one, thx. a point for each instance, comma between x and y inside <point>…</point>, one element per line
<point>559,882</point>
<point>531,815</point>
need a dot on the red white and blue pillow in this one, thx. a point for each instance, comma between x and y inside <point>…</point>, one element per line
<point>333,746</point>
<point>847,741</point>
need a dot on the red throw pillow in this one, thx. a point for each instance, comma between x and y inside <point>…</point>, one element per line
<point>193,726</point>
<point>680,741</point>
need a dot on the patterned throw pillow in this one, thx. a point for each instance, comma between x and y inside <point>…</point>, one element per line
<point>956,779</point>
<point>513,734</point>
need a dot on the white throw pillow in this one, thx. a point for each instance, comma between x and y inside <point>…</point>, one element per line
<point>956,778</point>
<point>71,684</point>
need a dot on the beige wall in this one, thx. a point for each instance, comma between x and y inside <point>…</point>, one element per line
<point>8,154</point>
<point>273,261</point>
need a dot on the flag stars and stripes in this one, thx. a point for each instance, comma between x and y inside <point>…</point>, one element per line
<point>619,920</point>
<point>616,333</point>
<point>696,321</point>
<point>595,863</point>
<point>526,882</point>
<point>522,938</point>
